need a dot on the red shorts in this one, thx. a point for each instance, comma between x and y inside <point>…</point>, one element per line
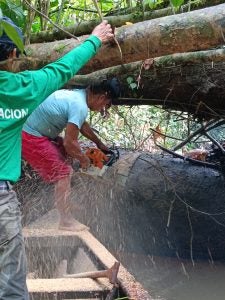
<point>45,157</point>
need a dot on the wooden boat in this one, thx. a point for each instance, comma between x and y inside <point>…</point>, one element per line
<point>54,254</point>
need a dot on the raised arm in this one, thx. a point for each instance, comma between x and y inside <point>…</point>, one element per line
<point>58,73</point>
<point>35,86</point>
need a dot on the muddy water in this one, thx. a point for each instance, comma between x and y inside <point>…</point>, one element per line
<point>175,279</point>
<point>112,219</point>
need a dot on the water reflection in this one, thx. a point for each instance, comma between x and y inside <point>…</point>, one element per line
<point>177,279</point>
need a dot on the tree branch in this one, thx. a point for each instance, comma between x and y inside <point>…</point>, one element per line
<point>50,21</point>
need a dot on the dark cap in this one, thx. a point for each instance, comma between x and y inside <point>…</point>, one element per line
<point>4,39</point>
<point>6,44</point>
<point>112,86</point>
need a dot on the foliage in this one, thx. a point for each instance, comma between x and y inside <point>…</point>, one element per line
<point>14,10</point>
<point>153,4</point>
<point>177,3</point>
<point>70,12</point>
<point>138,128</point>
<point>7,27</point>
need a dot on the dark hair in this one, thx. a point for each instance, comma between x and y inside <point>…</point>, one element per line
<point>6,44</point>
<point>110,86</point>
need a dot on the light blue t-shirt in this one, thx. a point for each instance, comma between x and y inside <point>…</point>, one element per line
<point>60,108</point>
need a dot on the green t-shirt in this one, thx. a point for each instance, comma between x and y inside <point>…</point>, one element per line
<point>21,93</point>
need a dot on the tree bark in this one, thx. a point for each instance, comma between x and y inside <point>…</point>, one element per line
<point>197,30</point>
<point>158,205</point>
<point>144,203</point>
<point>192,82</point>
<point>117,21</point>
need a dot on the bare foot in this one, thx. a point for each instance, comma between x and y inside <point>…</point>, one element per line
<point>72,225</point>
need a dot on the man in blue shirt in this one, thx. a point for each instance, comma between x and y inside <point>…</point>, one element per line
<point>64,109</point>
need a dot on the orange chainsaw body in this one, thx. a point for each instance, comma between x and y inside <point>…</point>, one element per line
<point>97,157</point>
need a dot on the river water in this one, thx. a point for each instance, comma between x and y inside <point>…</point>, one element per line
<point>112,220</point>
<point>168,278</point>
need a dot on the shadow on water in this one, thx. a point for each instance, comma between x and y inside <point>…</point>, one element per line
<point>176,279</point>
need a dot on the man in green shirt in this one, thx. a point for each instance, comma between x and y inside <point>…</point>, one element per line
<point>20,94</point>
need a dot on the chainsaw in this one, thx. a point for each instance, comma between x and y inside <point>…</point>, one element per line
<point>100,161</point>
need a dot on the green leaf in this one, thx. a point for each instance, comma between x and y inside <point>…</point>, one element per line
<point>133,85</point>
<point>15,9</point>
<point>130,80</point>
<point>13,35</point>
<point>177,3</point>
<point>1,29</point>
<point>153,3</point>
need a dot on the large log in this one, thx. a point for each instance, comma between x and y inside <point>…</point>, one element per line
<point>166,207</point>
<point>147,204</point>
<point>197,30</point>
<point>192,82</point>
<point>117,20</point>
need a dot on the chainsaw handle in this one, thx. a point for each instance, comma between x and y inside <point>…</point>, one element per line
<point>76,165</point>
<point>113,157</point>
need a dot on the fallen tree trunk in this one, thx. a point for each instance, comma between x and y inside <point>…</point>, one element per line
<point>166,207</point>
<point>117,21</point>
<point>197,30</point>
<point>145,203</point>
<point>193,82</point>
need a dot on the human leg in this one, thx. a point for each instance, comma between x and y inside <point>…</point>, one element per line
<point>62,193</point>
<point>12,250</point>
<point>45,157</point>
<point>48,160</point>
